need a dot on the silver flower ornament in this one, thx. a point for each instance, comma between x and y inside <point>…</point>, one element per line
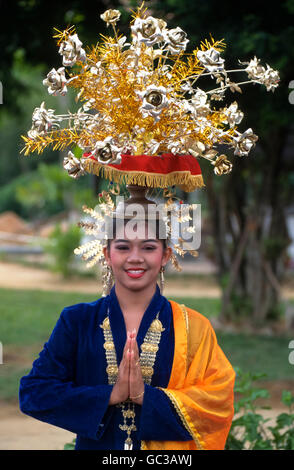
<point>110,17</point>
<point>176,40</point>
<point>270,79</point>
<point>71,50</point>
<point>56,82</point>
<point>199,102</point>
<point>222,166</point>
<point>43,120</point>
<point>148,30</point>
<point>154,101</point>
<point>211,60</point>
<point>233,114</point>
<point>243,143</point>
<point>107,152</point>
<point>254,70</point>
<point>73,165</point>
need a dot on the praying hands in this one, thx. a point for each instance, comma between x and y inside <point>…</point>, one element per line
<point>129,382</point>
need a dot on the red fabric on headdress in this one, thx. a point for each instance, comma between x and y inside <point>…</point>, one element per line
<point>150,170</point>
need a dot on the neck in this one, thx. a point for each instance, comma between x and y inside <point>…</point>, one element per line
<point>138,301</point>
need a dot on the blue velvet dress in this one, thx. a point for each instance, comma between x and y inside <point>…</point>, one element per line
<point>68,384</point>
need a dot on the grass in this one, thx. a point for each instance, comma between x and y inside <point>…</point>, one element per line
<point>257,353</point>
<point>28,317</point>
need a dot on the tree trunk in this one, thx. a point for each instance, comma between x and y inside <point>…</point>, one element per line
<point>250,234</point>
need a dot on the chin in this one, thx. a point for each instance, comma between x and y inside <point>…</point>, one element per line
<point>139,286</point>
<point>136,287</point>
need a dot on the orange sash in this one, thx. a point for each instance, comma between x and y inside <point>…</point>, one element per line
<point>201,384</point>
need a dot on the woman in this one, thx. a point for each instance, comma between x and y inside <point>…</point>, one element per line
<point>133,370</point>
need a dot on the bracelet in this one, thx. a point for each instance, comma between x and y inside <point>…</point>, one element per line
<point>139,396</point>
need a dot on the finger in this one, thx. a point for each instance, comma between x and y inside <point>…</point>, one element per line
<point>134,347</point>
<point>132,361</point>
<point>127,345</point>
<point>135,367</point>
<point>124,367</point>
<point>133,333</point>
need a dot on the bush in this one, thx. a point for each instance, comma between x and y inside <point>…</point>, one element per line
<point>250,430</point>
<point>60,246</point>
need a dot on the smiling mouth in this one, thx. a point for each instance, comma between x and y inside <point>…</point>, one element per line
<point>135,273</point>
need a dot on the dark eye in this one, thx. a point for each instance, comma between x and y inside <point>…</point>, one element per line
<point>122,247</point>
<point>149,248</point>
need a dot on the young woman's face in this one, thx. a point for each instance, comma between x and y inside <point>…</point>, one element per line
<point>136,262</point>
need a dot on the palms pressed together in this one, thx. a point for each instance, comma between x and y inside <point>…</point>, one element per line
<point>129,382</point>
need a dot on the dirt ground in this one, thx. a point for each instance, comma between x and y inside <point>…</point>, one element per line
<point>20,432</point>
<point>15,276</point>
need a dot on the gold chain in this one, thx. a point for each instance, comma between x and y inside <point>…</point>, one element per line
<point>147,359</point>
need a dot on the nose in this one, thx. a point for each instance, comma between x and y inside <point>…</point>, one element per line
<point>135,255</point>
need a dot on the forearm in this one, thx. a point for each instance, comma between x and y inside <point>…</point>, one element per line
<point>51,392</point>
<point>79,409</point>
<point>159,421</point>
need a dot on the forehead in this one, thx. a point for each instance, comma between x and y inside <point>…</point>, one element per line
<point>140,231</point>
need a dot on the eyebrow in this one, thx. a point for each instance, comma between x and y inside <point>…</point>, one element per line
<point>129,241</point>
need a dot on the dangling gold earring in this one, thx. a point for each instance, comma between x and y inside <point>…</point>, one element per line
<point>162,279</point>
<point>107,280</point>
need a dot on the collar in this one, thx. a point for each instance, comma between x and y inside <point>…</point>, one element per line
<point>117,322</point>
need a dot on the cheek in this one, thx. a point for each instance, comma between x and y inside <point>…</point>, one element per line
<point>156,259</point>
<point>116,257</point>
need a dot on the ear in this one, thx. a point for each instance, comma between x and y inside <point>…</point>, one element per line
<point>106,255</point>
<point>166,255</point>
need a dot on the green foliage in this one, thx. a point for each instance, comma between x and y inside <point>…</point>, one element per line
<point>8,198</point>
<point>47,191</point>
<point>70,445</point>
<point>60,246</point>
<point>44,192</point>
<point>250,429</point>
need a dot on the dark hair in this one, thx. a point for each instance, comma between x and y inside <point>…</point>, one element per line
<point>160,228</point>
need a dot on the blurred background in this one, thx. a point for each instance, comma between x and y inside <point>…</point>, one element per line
<point>243,279</point>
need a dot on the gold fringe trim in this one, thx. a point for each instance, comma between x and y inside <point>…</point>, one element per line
<point>185,313</point>
<point>184,179</point>
<point>143,446</point>
<point>185,418</point>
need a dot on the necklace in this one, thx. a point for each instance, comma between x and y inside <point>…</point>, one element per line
<point>147,359</point>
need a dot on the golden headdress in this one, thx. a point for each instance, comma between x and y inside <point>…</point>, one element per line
<point>144,120</point>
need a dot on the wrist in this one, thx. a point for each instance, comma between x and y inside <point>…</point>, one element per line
<point>116,396</point>
<point>138,399</point>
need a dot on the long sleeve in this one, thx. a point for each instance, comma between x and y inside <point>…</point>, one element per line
<point>49,392</point>
<point>159,421</point>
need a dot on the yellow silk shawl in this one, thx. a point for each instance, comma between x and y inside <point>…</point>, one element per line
<point>200,386</point>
